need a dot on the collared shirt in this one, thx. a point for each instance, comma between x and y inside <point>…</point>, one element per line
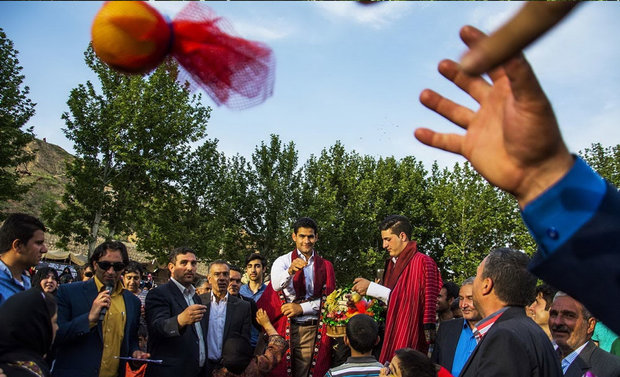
<point>464,348</point>
<point>245,291</point>
<point>380,291</point>
<point>568,360</point>
<point>9,285</point>
<point>217,320</point>
<point>282,281</point>
<point>113,330</point>
<point>188,294</point>
<point>486,323</point>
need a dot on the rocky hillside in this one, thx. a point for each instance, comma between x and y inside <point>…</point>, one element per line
<point>47,174</point>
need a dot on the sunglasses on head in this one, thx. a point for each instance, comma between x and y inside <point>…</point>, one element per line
<point>118,266</point>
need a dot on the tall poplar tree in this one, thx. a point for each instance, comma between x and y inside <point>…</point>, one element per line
<point>131,138</point>
<point>15,111</point>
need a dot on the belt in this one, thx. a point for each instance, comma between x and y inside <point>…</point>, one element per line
<point>307,322</point>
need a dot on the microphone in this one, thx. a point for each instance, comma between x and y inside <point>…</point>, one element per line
<point>109,288</point>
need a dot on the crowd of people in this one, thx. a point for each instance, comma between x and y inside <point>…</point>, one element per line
<point>506,325</point>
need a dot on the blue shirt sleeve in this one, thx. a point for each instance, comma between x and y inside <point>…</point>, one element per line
<point>559,212</point>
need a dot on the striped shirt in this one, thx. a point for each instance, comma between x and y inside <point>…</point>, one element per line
<point>362,366</point>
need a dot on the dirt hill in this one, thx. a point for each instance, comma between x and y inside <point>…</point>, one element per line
<point>47,174</point>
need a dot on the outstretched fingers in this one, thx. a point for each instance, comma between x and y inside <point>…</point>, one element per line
<point>447,142</point>
<point>455,113</point>
<point>475,86</point>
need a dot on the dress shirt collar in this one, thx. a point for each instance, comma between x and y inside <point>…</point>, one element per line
<point>224,299</point>
<point>118,287</point>
<point>186,291</point>
<point>302,256</point>
<point>25,277</point>
<point>568,360</point>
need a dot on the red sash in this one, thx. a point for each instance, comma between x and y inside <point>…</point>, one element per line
<point>272,301</point>
<point>394,270</point>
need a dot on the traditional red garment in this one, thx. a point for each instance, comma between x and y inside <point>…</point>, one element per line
<point>272,301</point>
<point>415,283</point>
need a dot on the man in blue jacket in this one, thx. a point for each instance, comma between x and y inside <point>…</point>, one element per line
<point>97,319</point>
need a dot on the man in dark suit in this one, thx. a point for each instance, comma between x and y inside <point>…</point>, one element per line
<point>176,321</point>
<point>571,326</point>
<point>234,288</point>
<point>97,319</point>
<point>228,316</point>
<point>455,338</point>
<point>510,343</point>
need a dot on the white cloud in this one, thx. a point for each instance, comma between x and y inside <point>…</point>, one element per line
<point>376,16</point>
<point>277,29</point>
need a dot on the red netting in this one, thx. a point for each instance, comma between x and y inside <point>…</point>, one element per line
<point>233,71</point>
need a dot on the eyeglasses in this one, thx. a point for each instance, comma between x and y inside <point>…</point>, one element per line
<point>118,266</point>
<point>89,274</point>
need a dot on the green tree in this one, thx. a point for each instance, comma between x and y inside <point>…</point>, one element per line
<point>130,141</point>
<point>606,161</point>
<point>274,189</point>
<point>471,217</point>
<point>15,111</point>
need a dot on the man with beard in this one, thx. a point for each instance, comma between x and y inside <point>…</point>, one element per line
<point>97,319</point>
<point>455,339</point>
<point>571,326</point>
<point>176,320</point>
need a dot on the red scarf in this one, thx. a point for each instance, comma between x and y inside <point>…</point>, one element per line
<point>299,280</point>
<point>394,270</point>
<point>271,301</point>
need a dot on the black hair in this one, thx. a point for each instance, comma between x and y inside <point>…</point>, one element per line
<point>103,248</point>
<point>235,268</point>
<point>452,290</point>
<point>41,274</point>
<point>18,226</point>
<point>305,222</point>
<point>362,331</point>
<point>415,364</point>
<point>134,267</point>
<point>236,354</point>
<point>397,224</point>
<point>548,293</point>
<point>512,282</point>
<point>254,256</point>
<point>172,256</point>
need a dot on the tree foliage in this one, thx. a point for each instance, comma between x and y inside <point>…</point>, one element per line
<point>15,111</point>
<point>131,139</point>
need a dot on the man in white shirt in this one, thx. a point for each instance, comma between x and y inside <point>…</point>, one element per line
<point>227,315</point>
<point>302,278</point>
<point>177,321</point>
<point>571,326</point>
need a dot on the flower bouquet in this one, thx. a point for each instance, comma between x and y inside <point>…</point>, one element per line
<point>343,303</point>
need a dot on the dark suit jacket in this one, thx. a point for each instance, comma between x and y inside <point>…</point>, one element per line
<point>238,318</point>
<point>253,310</point>
<point>178,348</point>
<point>514,346</point>
<point>591,255</point>
<point>594,359</point>
<point>78,347</point>
<point>446,341</point>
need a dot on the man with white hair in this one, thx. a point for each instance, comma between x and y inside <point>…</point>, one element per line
<point>571,326</point>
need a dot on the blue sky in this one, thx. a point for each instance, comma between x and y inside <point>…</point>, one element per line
<point>345,71</point>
